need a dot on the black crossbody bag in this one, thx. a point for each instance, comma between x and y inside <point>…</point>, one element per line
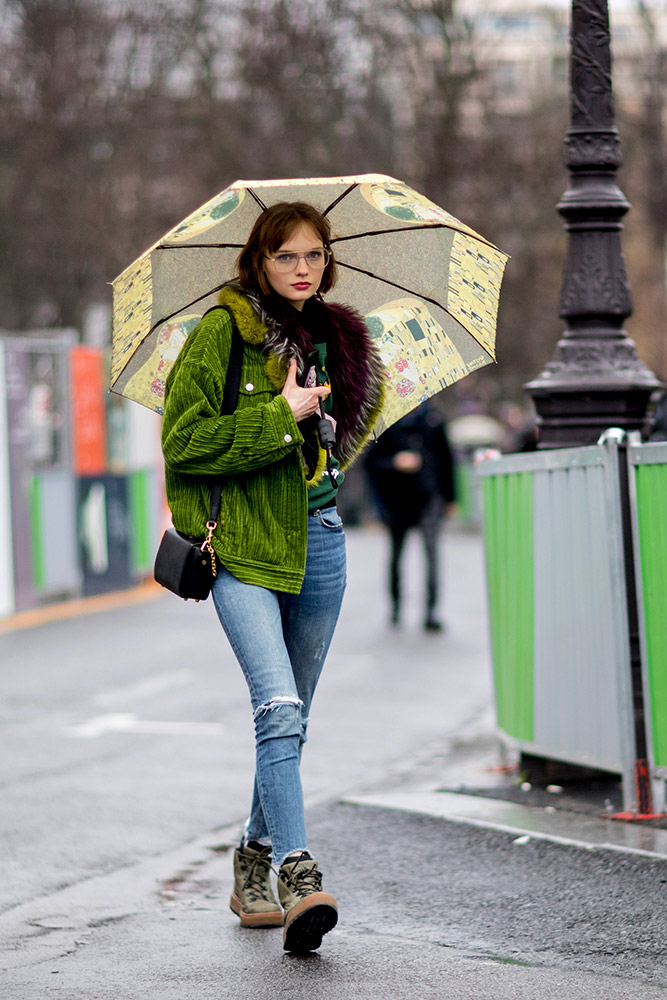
<point>187,566</point>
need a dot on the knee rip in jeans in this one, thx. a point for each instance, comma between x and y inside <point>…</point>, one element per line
<point>280,717</point>
<point>277,703</point>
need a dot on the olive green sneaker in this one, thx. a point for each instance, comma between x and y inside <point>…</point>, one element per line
<point>252,898</point>
<point>309,912</point>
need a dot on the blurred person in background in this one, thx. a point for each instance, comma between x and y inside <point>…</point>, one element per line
<point>411,475</point>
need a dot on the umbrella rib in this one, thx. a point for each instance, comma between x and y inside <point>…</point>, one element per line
<point>340,197</point>
<point>165,319</point>
<point>394,284</point>
<point>389,232</point>
<point>336,239</point>
<point>412,229</point>
<point>200,246</point>
<point>257,199</point>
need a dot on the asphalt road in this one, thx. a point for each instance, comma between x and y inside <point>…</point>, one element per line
<point>125,765</point>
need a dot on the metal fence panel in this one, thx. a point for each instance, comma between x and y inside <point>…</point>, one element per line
<point>571,602</point>
<point>582,665</point>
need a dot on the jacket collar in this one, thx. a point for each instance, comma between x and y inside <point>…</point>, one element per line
<point>356,371</point>
<point>251,320</point>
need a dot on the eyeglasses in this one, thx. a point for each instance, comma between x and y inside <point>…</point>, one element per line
<point>315,259</point>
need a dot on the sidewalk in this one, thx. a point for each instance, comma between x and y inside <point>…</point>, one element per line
<point>476,780</point>
<point>470,777</point>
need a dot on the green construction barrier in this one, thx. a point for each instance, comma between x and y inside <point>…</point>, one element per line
<point>508,538</point>
<point>142,521</point>
<point>651,492</point>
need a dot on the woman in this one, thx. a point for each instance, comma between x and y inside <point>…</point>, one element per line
<point>279,540</point>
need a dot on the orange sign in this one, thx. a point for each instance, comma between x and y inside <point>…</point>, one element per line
<point>89,443</point>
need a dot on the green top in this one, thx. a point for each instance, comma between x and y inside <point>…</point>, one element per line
<point>325,491</point>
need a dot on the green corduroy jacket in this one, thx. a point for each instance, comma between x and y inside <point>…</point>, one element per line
<point>261,536</point>
<point>262,533</point>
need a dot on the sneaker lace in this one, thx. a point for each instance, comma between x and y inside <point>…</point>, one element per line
<point>306,880</point>
<point>256,877</point>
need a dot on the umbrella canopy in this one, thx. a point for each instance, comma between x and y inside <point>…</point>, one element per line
<point>427,284</point>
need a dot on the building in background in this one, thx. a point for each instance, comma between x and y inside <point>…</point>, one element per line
<point>81,499</point>
<point>521,50</point>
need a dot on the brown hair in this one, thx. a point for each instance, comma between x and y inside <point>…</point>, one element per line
<point>275,225</point>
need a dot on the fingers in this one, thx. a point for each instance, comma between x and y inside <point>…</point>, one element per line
<point>302,402</point>
<point>311,400</point>
<point>291,373</point>
<point>290,380</point>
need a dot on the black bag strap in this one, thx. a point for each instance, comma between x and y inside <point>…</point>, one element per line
<point>230,398</point>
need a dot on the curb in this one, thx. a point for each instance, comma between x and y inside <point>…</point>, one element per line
<point>33,618</point>
<point>525,823</point>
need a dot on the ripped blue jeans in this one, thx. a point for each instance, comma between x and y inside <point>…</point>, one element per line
<point>281,641</point>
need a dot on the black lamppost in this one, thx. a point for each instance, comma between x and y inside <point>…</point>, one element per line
<point>595,379</point>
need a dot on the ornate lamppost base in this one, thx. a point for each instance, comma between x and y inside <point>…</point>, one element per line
<point>592,383</point>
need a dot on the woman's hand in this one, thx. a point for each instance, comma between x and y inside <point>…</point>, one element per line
<point>302,402</point>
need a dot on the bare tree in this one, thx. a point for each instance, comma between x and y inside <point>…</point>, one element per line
<point>648,164</point>
<point>117,118</point>
<point>96,142</point>
<point>293,99</point>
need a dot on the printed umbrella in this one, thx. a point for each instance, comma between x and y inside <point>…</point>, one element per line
<point>427,284</point>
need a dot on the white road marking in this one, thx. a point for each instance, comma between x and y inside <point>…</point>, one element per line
<point>127,722</point>
<point>147,688</point>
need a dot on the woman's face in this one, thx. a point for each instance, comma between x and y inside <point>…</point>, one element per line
<point>302,282</point>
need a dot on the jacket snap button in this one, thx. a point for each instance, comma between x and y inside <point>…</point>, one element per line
<point>287,438</point>
<point>249,386</point>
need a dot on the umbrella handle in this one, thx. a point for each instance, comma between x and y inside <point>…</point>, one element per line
<point>326,433</point>
<point>327,436</point>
